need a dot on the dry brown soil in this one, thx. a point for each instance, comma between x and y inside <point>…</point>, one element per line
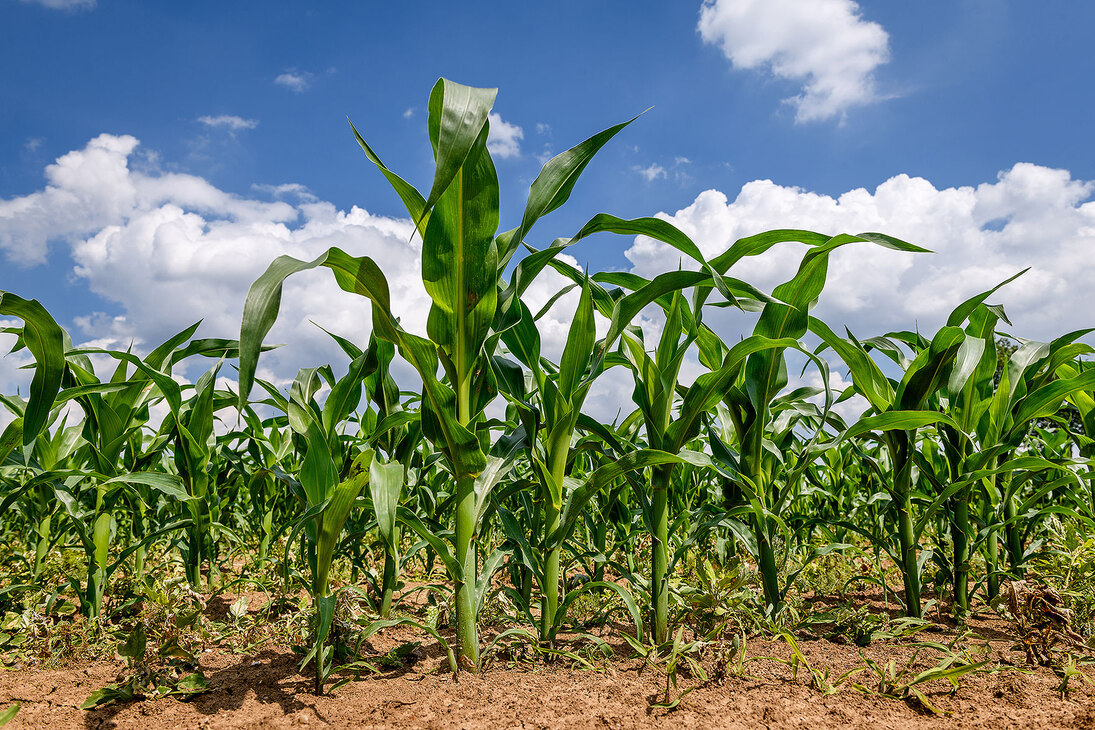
<point>266,690</point>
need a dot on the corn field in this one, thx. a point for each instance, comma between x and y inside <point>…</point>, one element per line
<point>487,470</point>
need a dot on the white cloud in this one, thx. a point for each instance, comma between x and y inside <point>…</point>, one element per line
<point>293,80</point>
<point>542,128</point>
<point>651,172</point>
<point>170,249</point>
<point>87,189</point>
<point>33,143</point>
<point>1049,225</point>
<point>408,113</point>
<point>825,44</point>
<point>230,121</point>
<point>504,139</point>
<point>64,4</point>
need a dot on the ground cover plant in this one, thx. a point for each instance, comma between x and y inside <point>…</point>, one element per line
<point>480,509</point>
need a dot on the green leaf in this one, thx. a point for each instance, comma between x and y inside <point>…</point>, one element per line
<point>579,345</point>
<point>260,309</point>
<point>1046,400</point>
<point>386,486</point>
<point>897,421</point>
<point>553,186</point>
<point>101,538</point>
<point>460,262</point>
<point>659,230</point>
<point>333,517</point>
<point>710,388</point>
<point>12,437</point>
<point>318,472</point>
<point>457,121</point>
<point>192,684</point>
<point>765,371</point>
<point>45,340</point>
<point>601,478</point>
<point>7,715</point>
<point>168,484</point>
<point>928,373</point>
<point>345,395</point>
<point>440,548</point>
<point>110,693</point>
<point>412,199</point>
<point>963,310</point>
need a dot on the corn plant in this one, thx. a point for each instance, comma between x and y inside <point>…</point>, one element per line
<point>999,415</point>
<point>462,258</point>
<point>943,365</point>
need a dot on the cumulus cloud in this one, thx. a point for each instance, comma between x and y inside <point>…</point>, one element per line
<point>1030,216</point>
<point>504,139</point>
<point>169,249</point>
<point>228,121</point>
<point>824,44</point>
<point>297,81</point>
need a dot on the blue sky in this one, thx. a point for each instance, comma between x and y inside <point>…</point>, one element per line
<point>199,140</point>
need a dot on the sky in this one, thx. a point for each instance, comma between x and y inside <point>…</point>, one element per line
<point>155,157</point>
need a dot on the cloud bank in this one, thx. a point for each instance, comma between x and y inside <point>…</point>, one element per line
<point>167,249</point>
<point>1031,216</point>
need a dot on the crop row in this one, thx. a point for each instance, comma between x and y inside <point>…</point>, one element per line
<point>968,441</point>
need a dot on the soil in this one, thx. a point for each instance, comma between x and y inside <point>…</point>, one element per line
<point>266,689</point>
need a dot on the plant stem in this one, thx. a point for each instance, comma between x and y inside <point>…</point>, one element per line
<point>466,629</point>
<point>910,571</point>
<point>960,516</point>
<point>1012,533</point>
<point>659,563</point>
<point>766,559</point>
<point>549,604</point>
<point>388,584</point>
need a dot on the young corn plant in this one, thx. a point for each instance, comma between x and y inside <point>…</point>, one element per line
<point>998,419</point>
<point>900,410</point>
<point>750,398</point>
<point>462,260</point>
<point>940,368</point>
<point>330,487</point>
<point>553,424</point>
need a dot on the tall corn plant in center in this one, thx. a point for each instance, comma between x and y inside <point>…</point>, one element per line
<point>462,258</point>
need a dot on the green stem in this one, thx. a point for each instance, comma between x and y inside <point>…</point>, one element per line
<point>992,564</point>
<point>659,558</point>
<point>960,516</point>
<point>906,532</point>
<point>388,585</point>
<point>466,629</point>
<point>549,604</point>
<point>1013,535</point>
<point>41,549</point>
<point>766,559</point>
